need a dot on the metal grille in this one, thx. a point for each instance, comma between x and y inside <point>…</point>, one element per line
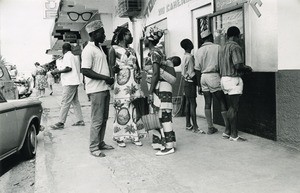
<point>128,8</point>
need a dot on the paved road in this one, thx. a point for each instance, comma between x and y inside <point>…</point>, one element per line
<point>202,163</point>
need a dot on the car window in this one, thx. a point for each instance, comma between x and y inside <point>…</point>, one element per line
<point>2,99</point>
<point>1,73</point>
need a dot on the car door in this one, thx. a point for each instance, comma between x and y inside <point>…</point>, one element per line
<point>8,128</point>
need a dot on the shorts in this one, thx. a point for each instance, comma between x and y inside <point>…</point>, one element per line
<point>210,82</point>
<point>232,85</point>
<point>190,89</point>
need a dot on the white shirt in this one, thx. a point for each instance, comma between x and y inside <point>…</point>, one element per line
<point>72,77</point>
<point>95,59</point>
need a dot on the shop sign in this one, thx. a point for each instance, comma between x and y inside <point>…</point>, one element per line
<point>223,4</point>
<point>70,37</point>
<point>171,6</point>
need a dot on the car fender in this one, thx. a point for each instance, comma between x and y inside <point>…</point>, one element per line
<point>32,120</point>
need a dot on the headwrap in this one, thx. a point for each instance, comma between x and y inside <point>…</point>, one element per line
<point>154,34</point>
<point>93,26</point>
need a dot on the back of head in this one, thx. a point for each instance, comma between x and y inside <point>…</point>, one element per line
<point>66,47</point>
<point>176,60</point>
<point>119,34</point>
<point>187,44</point>
<point>233,31</point>
<point>36,64</point>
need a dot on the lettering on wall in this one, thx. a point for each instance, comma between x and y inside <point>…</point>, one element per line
<point>173,5</point>
<point>253,4</point>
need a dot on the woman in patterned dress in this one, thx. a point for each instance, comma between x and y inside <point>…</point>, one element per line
<point>123,61</point>
<point>160,94</point>
<point>40,79</point>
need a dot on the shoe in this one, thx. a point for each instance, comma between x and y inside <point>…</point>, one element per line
<point>156,146</point>
<point>199,131</point>
<point>51,93</point>
<point>189,128</point>
<point>137,143</point>
<point>121,143</point>
<point>165,151</point>
<point>97,153</point>
<point>225,136</point>
<point>239,138</point>
<point>79,123</point>
<point>58,125</point>
<point>106,147</point>
<point>212,130</point>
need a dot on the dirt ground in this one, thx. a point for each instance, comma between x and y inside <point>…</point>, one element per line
<point>17,175</point>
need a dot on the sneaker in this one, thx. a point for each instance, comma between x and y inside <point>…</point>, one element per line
<point>157,146</point>
<point>199,131</point>
<point>58,125</point>
<point>165,151</point>
<point>212,130</point>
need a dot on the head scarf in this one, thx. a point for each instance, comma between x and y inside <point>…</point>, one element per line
<point>154,34</point>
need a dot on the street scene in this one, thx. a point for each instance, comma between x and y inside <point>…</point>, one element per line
<point>142,96</point>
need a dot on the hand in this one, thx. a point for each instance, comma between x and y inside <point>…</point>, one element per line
<point>116,69</point>
<point>200,90</point>
<point>54,72</point>
<point>110,80</point>
<point>150,98</point>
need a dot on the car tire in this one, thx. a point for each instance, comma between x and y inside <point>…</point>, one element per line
<point>29,147</point>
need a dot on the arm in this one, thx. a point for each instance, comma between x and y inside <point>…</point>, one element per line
<point>65,70</point>
<point>238,60</point>
<point>155,77</point>
<point>113,68</point>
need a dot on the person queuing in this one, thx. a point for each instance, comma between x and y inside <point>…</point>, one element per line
<point>160,94</point>
<point>70,80</point>
<point>232,67</point>
<point>208,77</point>
<point>98,81</point>
<point>190,85</point>
<point>127,88</point>
<point>50,80</point>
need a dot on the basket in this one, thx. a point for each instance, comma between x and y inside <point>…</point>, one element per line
<point>151,121</point>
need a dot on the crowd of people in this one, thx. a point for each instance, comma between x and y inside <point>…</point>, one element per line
<point>215,70</point>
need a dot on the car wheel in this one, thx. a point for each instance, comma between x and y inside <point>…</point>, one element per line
<point>29,147</point>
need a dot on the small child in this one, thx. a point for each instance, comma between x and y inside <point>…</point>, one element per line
<point>167,71</point>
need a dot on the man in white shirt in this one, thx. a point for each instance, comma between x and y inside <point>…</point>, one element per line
<point>70,80</point>
<point>98,78</point>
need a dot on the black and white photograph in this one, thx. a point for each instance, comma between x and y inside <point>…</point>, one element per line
<point>149,96</point>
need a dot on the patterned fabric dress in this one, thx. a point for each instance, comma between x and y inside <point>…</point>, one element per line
<point>162,104</point>
<point>126,89</point>
<point>40,78</point>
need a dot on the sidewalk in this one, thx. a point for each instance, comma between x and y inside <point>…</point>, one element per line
<point>201,163</point>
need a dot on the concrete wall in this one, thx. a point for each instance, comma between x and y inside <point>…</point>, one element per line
<point>288,107</point>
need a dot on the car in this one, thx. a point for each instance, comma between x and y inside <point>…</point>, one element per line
<point>20,123</point>
<point>7,85</point>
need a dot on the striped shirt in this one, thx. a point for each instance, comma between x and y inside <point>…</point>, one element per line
<point>231,55</point>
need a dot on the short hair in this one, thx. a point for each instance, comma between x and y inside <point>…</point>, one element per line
<point>37,64</point>
<point>176,60</point>
<point>187,44</point>
<point>233,31</point>
<point>67,46</point>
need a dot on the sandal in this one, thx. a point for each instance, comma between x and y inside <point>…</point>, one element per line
<point>225,136</point>
<point>121,144</point>
<point>212,130</point>
<point>199,131</point>
<point>239,138</point>
<point>137,143</point>
<point>97,153</point>
<point>79,123</point>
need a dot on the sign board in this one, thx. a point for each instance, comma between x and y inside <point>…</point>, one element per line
<point>70,37</point>
<point>223,4</point>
